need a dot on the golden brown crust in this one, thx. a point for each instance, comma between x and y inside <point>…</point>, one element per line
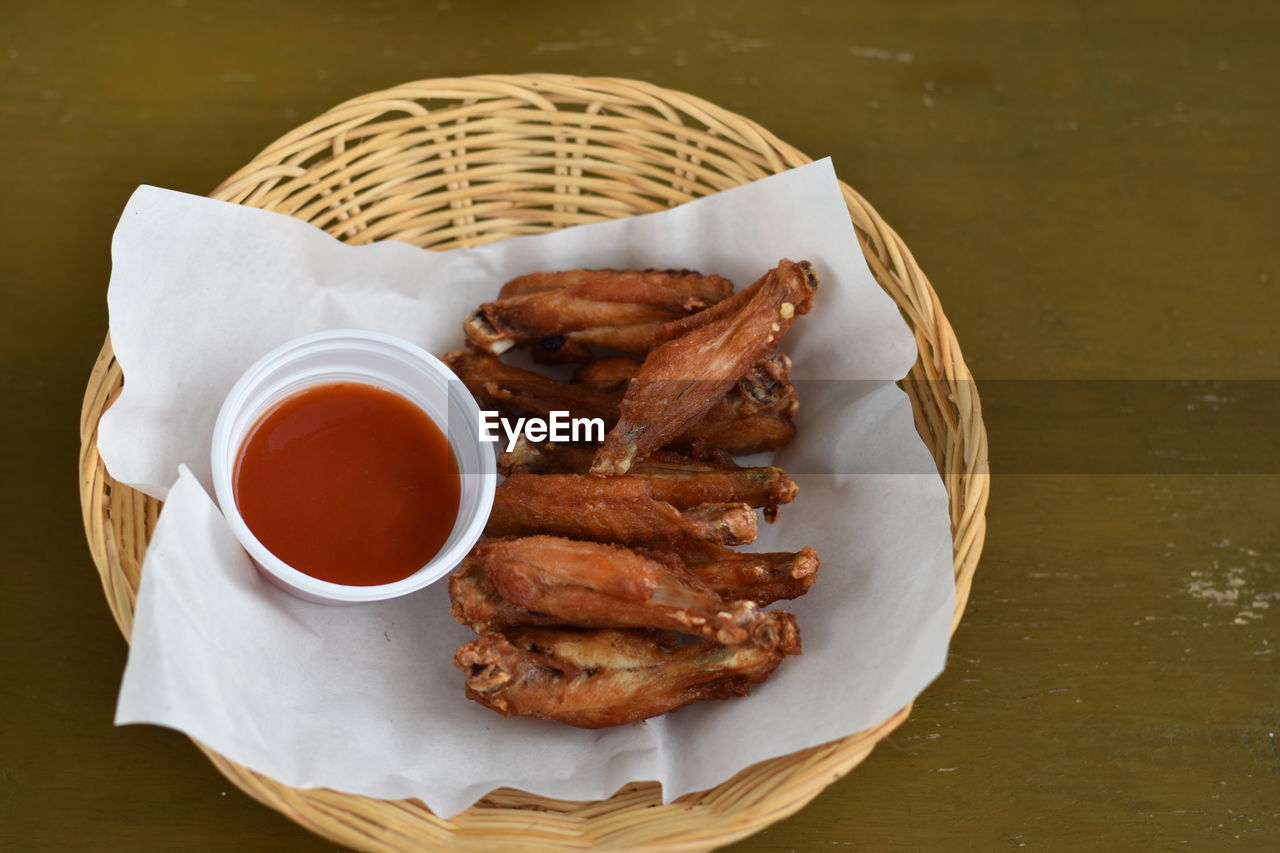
<point>700,358</point>
<point>711,288</point>
<point>678,480</point>
<point>765,387</point>
<point>762,578</point>
<point>622,510</point>
<point>599,678</point>
<point>549,580</point>
<point>620,309</point>
<point>608,372</point>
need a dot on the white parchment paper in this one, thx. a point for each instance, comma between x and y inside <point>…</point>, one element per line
<point>365,699</point>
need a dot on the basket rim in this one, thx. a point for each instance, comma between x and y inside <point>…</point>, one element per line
<point>118,520</point>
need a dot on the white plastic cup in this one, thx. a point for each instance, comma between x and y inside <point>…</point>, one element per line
<point>371,358</point>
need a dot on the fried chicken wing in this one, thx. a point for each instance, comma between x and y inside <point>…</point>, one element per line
<point>733,576</point>
<point>680,481</point>
<point>592,585</point>
<point>699,360</point>
<point>709,288</point>
<point>734,424</point>
<point>622,510</point>
<point>594,679</point>
<point>765,387</point>
<point>727,429</point>
<point>762,578</point>
<point>610,308</point>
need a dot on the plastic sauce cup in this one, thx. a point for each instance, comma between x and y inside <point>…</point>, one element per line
<point>372,358</point>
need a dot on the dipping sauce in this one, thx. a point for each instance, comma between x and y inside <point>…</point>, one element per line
<point>348,483</point>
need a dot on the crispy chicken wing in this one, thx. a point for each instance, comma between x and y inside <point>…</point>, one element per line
<point>592,585</point>
<point>762,578</point>
<point>765,387</point>
<point>710,288</point>
<point>622,510</point>
<point>738,433</point>
<point>620,309</point>
<point>594,679</point>
<point>699,359</point>
<point>735,424</point>
<point>680,481</point>
<point>733,576</point>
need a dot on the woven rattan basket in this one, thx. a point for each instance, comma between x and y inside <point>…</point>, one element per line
<point>459,162</point>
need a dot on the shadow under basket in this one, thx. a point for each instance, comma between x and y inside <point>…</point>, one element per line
<point>460,162</point>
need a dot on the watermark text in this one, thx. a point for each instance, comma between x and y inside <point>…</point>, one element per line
<point>558,426</point>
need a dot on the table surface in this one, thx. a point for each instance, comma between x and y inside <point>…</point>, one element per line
<point>1094,193</point>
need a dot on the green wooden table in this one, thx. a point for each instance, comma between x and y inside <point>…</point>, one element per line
<point>1095,195</point>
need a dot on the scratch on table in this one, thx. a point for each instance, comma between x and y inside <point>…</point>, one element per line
<point>587,39</point>
<point>737,43</point>
<point>881,53</point>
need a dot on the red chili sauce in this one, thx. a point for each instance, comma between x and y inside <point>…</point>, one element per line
<point>348,483</point>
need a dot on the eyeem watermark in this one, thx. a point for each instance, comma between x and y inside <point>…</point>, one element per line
<point>558,427</point>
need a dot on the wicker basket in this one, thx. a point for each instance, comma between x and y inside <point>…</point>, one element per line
<point>459,162</point>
